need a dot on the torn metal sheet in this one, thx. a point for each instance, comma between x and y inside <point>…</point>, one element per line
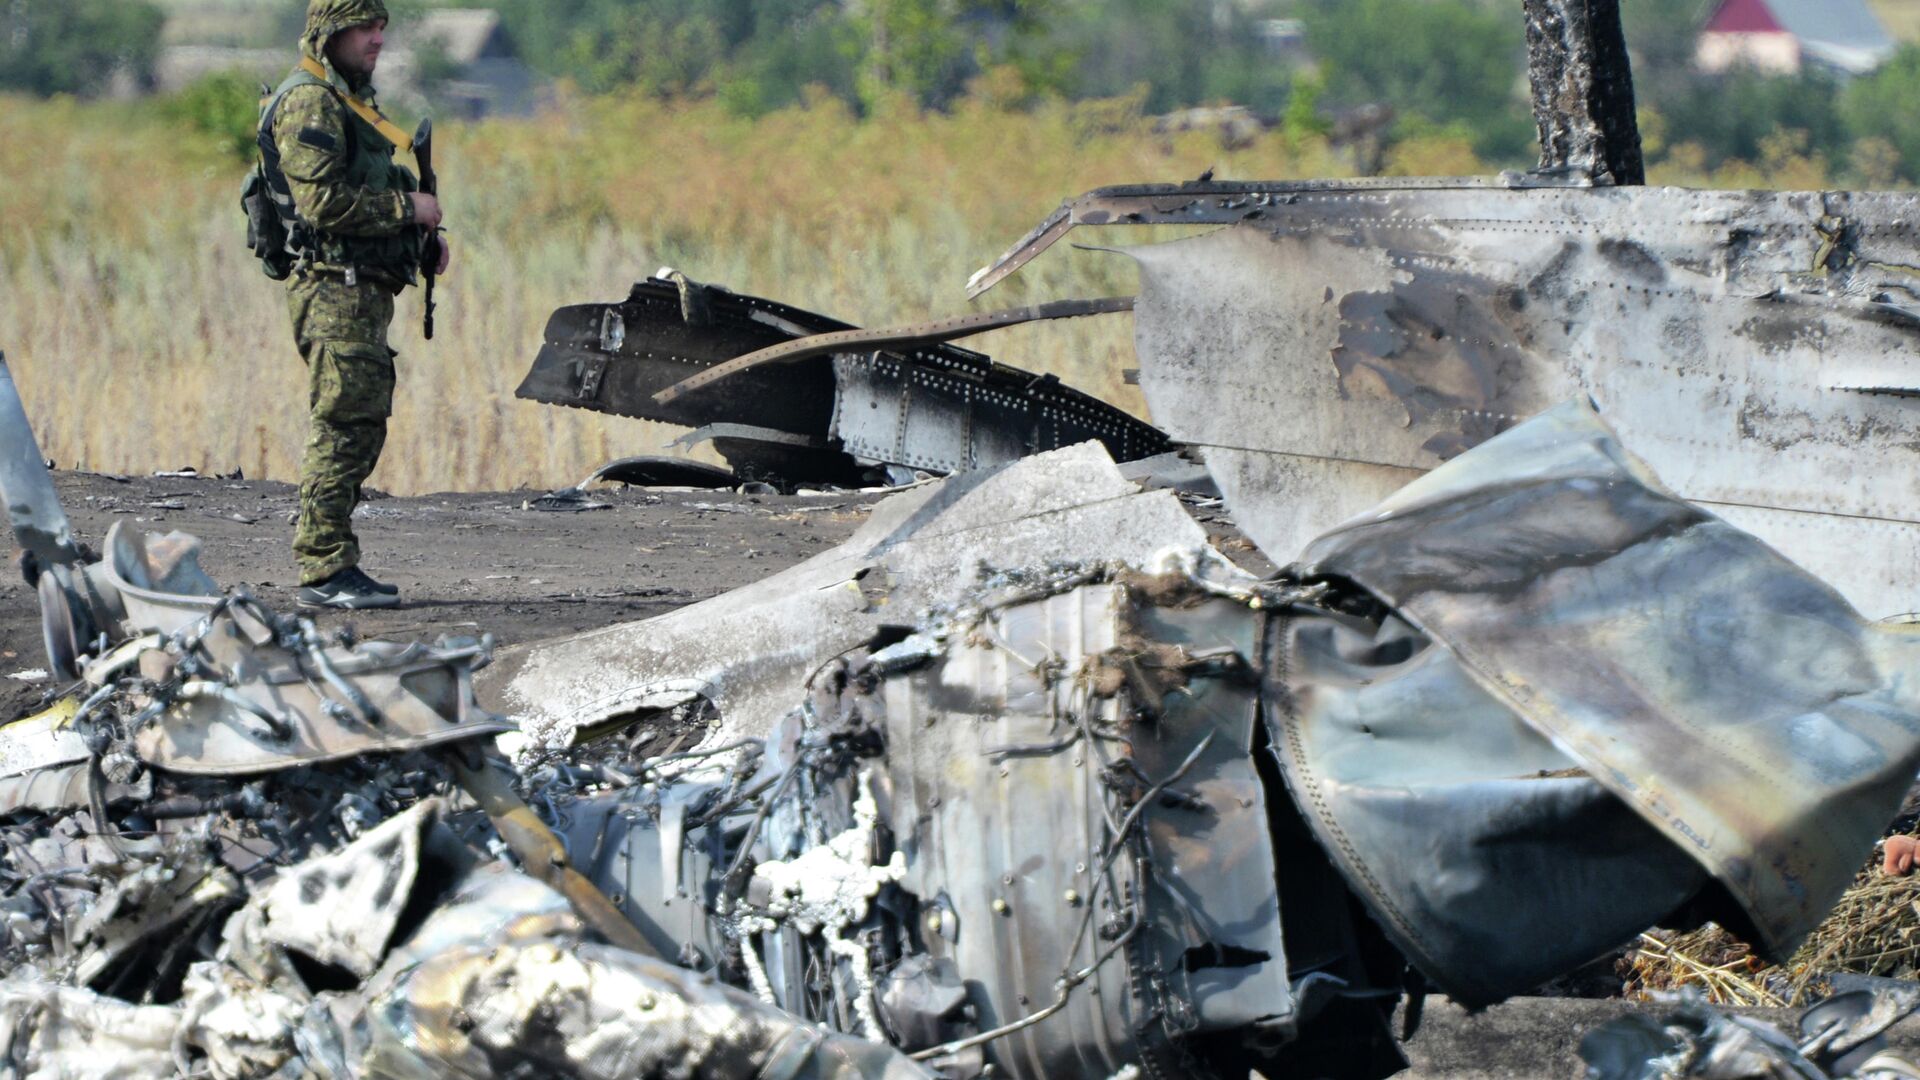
<point>1341,337</point>
<point>343,909</point>
<point>746,650</point>
<point>1843,1036</point>
<point>1411,774</point>
<point>500,981</point>
<point>686,353</point>
<point>42,741</point>
<point>73,1034</point>
<point>1731,699</point>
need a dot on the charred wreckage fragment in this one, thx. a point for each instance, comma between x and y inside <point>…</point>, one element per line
<point>792,397</point>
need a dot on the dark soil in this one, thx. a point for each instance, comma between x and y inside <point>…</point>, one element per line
<point>465,563</point>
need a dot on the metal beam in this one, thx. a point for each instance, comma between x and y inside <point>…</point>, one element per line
<point>1583,90</point>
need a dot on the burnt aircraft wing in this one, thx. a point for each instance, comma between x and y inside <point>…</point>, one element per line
<point>684,353</point>
<point>1330,341</point>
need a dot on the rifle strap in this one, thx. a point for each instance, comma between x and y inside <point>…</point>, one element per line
<point>387,129</point>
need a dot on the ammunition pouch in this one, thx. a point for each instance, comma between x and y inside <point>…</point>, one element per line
<point>267,233</point>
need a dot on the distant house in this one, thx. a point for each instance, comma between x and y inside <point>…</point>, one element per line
<point>1785,37</point>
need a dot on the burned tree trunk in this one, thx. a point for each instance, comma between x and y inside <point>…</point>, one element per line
<point>1583,90</point>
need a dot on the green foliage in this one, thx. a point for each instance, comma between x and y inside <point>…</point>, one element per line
<point>223,108</point>
<point>1437,63</point>
<point>76,46</point>
<point>762,56</point>
<point>1185,52</point>
<point>1886,106</point>
<point>1732,115</point>
<point>1303,118</point>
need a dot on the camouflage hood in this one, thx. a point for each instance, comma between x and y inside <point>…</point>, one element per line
<point>326,18</point>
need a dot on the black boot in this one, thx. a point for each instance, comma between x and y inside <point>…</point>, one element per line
<point>349,589</point>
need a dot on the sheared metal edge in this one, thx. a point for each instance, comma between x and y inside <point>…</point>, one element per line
<point>1348,341</point>
<point>1734,701</point>
<point>933,332</point>
<point>1222,202</point>
<point>39,523</point>
<point>343,908</point>
<point>749,650</point>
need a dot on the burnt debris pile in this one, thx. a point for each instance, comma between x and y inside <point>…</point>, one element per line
<point>1027,778</point>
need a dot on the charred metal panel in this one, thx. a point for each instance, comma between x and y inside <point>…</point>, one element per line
<point>923,405</point>
<point>1731,699</point>
<point>1751,345</point>
<point>614,357</point>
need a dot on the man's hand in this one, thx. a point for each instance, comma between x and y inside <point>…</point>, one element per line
<point>446,255</point>
<point>426,209</point>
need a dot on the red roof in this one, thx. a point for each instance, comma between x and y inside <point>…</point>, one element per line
<point>1744,17</point>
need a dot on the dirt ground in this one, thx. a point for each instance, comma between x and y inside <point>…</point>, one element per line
<point>466,563</point>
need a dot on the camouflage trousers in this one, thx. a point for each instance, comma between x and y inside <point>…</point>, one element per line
<point>341,330</point>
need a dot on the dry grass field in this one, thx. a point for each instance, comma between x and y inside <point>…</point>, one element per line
<point>144,335</point>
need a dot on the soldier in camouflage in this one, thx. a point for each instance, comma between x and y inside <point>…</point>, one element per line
<point>362,222</point>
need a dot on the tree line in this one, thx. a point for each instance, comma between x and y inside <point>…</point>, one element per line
<point>1438,66</point>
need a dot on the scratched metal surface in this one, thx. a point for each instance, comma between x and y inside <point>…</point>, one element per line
<point>1735,702</point>
<point>1757,348</point>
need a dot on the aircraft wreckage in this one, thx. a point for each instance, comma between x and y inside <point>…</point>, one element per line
<point>1028,778</point>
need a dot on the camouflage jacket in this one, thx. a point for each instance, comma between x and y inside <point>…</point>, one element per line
<point>346,187</point>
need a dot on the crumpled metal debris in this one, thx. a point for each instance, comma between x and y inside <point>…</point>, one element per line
<point>1230,770</point>
<point>491,975</point>
<point>1841,1038</point>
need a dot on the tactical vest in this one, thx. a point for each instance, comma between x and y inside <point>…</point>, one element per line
<point>370,165</point>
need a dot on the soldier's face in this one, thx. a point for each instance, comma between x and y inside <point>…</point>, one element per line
<point>357,48</point>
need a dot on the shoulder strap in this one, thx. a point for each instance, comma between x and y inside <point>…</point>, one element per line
<point>387,129</point>
<point>278,190</point>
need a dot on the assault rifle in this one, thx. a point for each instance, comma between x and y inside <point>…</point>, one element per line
<point>429,244</point>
